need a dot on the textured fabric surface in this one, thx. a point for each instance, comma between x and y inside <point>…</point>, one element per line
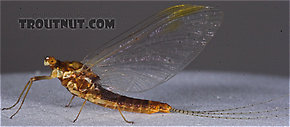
<point>45,103</point>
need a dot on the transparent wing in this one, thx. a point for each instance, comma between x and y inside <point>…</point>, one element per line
<point>156,49</point>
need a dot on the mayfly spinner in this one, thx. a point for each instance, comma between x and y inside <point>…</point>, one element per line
<point>145,56</point>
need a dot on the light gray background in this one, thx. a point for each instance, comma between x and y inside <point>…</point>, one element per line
<point>195,90</point>
<point>246,62</point>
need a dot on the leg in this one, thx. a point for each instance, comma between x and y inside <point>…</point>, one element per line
<point>18,97</point>
<point>70,101</point>
<point>80,111</point>
<point>124,117</point>
<point>29,83</point>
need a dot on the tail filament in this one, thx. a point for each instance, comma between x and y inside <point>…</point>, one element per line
<point>221,114</point>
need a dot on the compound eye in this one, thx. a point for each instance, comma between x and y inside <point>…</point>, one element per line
<point>49,60</point>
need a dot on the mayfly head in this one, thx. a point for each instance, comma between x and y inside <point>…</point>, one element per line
<point>50,61</point>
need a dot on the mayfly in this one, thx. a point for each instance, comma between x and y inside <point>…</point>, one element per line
<point>145,56</point>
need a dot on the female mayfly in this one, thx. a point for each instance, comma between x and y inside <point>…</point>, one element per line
<point>145,56</point>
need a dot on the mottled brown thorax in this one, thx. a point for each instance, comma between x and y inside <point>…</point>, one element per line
<point>76,77</point>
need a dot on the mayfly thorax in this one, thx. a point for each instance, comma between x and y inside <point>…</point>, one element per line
<point>147,55</point>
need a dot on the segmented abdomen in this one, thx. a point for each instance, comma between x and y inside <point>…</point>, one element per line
<point>112,100</point>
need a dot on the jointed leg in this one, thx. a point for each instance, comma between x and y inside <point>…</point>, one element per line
<point>124,117</point>
<point>80,111</point>
<point>18,97</point>
<point>29,83</point>
<point>70,101</point>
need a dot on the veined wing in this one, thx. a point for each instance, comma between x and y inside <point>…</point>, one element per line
<point>156,49</point>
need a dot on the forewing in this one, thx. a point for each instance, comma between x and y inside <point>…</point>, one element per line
<point>156,49</point>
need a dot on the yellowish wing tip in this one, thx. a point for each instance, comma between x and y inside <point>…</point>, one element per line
<point>186,11</point>
<point>173,7</point>
<point>178,11</point>
<point>182,7</point>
